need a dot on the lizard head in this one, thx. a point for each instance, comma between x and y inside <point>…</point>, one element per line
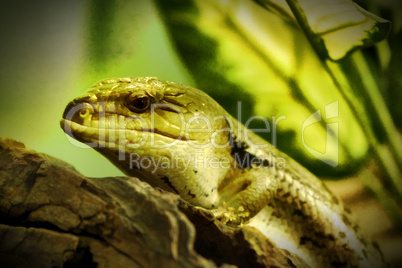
<point>152,129</point>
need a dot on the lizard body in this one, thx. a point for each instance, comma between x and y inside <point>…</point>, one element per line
<point>179,139</point>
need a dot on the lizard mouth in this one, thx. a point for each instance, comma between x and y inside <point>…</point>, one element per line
<point>83,123</point>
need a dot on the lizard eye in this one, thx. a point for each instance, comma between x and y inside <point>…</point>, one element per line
<point>138,104</point>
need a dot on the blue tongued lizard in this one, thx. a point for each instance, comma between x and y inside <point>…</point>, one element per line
<point>177,138</point>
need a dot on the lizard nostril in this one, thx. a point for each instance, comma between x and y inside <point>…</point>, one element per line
<point>84,112</point>
<point>77,112</point>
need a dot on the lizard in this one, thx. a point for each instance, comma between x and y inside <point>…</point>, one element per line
<point>179,139</point>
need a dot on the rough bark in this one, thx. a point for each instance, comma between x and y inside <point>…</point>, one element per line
<point>53,216</point>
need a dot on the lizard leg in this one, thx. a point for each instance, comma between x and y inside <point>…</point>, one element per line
<point>259,187</point>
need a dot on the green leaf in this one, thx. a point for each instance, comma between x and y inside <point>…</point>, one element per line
<point>336,27</point>
<point>235,50</point>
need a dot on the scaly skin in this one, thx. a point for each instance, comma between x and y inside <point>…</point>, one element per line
<point>179,139</point>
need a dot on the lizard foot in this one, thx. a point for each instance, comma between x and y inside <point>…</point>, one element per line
<point>228,216</point>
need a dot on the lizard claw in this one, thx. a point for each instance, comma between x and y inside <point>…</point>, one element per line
<point>206,213</point>
<point>211,214</point>
<point>225,216</point>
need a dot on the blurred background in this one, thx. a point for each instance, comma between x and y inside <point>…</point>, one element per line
<point>46,57</point>
<point>255,52</point>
